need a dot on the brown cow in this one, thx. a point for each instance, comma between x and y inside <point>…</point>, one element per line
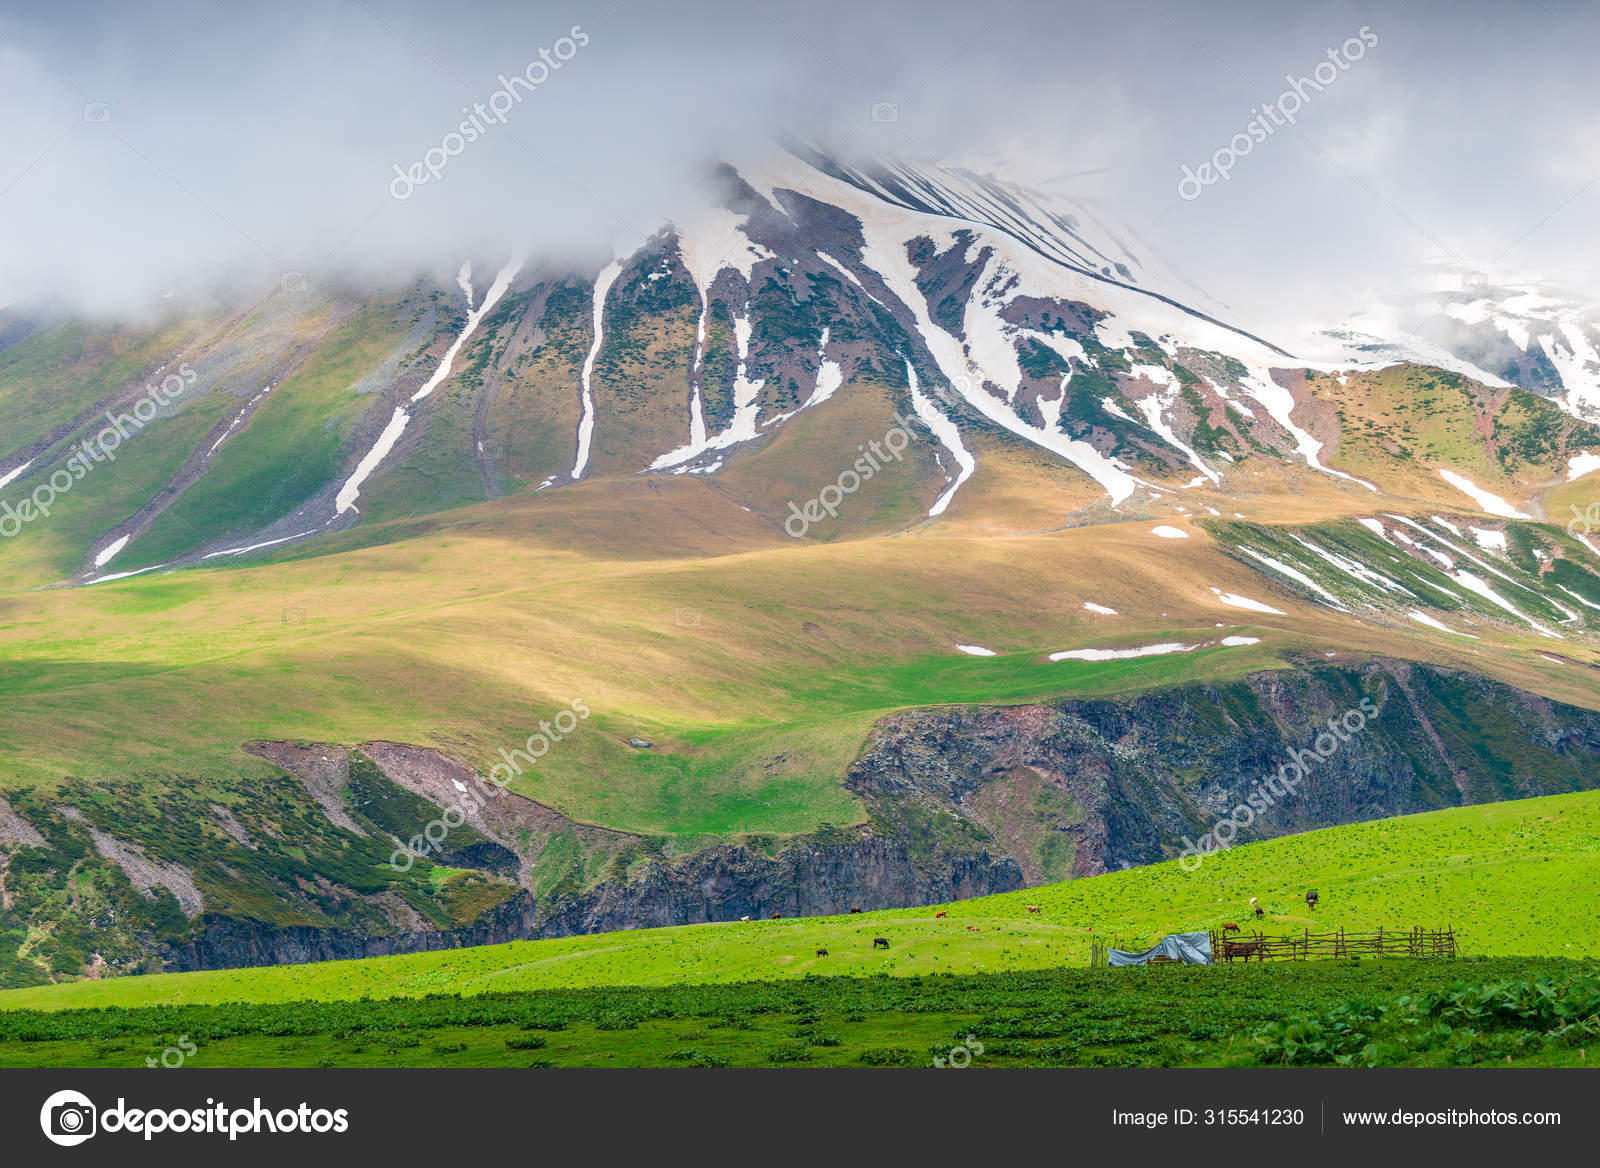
<point>1230,928</point>
<point>1033,908</point>
<point>972,928</point>
<point>774,915</point>
<point>940,913</point>
<point>855,908</point>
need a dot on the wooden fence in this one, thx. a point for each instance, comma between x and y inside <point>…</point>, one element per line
<point>1418,942</point>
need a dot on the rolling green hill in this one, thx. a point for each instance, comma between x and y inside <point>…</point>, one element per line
<point>1513,879</point>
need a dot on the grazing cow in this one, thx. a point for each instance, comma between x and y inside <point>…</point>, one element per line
<point>940,913</point>
<point>1230,928</point>
<point>880,942</point>
<point>822,952</point>
<point>774,915</point>
<point>855,908</point>
<point>744,918</point>
<point>1033,908</point>
<point>972,928</point>
<point>1260,912</point>
<point>1311,899</point>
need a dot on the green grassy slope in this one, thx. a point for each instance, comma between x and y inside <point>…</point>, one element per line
<point>297,444</point>
<point>1184,1016</point>
<point>1512,878</point>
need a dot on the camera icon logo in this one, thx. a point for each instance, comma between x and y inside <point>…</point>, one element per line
<point>68,1118</point>
<point>294,616</point>
<point>96,112</point>
<point>885,111</point>
<point>293,281</point>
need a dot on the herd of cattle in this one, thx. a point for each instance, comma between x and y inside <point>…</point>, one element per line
<point>884,943</point>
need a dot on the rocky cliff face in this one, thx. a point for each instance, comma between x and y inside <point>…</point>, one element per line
<point>1075,788</point>
<point>809,876</point>
<point>957,802</point>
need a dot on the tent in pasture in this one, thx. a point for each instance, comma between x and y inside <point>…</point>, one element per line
<point>1193,948</point>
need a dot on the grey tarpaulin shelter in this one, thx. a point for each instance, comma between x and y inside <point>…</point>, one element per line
<point>1194,948</point>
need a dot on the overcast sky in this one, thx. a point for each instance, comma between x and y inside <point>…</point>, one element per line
<point>148,146</point>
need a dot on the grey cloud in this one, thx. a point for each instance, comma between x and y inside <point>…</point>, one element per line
<point>243,141</point>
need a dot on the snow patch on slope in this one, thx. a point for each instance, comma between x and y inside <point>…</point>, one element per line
<point>106,554</point>
<point>1234,600</point>
<point>949,436</point>
<point>1489,540</point>
<point>1154,410</point>
<point>1490,503</point>
<point>742,426</point>
<point>1476,584</point>
<point>1577,466</point>
<point>239,551</point>
<point>1294,574</point>
<point>602,285</point>
<point>1279,404</point>
<point>346,498</point>
<point>1423,618</point>
<point>1161,650</point>
<point>11,476</point>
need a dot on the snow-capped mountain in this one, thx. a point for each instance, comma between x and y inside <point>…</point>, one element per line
<point>1500,329</point>
<point>999,321</point>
